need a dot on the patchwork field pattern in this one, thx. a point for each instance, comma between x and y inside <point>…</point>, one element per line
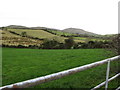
<point>15,40</point>
<point>39,34</point>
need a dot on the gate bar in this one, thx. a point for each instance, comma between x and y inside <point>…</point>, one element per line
<point>103,83</point>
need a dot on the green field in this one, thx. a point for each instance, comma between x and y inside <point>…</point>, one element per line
<point>24,64</point>
<point>39,34</point>
<point>86,39</point>
<point>78,39</point>
<point>60,32</point>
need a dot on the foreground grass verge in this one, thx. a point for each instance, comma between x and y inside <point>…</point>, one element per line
<point>24,64</point>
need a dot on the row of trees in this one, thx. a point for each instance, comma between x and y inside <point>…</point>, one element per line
<point>68,44</point>
<point>113,44</point>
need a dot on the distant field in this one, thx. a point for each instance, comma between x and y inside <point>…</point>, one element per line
<point>60,32</point>
<point>77,39</point>
<point>39,34</point>
<point>7,34</point>
<point>24,64</point>
<point>85,39</point>
<point>46,35</point>
<point>15,40</point>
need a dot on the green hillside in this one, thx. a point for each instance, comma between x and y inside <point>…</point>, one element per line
<point>39,34</point>
<point>44,34</point>
<point>16,40</point>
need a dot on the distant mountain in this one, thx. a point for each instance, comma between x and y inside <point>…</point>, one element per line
<point>24,27</point>
<point>43,28</point>
<point>17,27</point>
<point>68,30</point>
<point>78,31</point>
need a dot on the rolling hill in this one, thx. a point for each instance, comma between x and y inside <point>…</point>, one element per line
<point>33,28</point>
<point>10,39</point>
<point>78,31</point>
<point>68,30</point>
<point>41,34</point>
<point>79,35</point>
<point>17,27</point>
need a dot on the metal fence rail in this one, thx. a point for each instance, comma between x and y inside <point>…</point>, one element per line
<point>103,83</point>
<point>58,75</point>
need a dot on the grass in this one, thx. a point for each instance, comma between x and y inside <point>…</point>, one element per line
<point>39,34</point>
<point>77,39</point>
<point>46,35</point>
<point>15,40</point>
<point>8,34</point>
<point>85,39</point>
<point>61,32</point>
<point>24,64</point>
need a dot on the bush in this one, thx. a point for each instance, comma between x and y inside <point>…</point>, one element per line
<point>69,43</point>
<point>51,44</point>
<point>23,34</point>
<point>115,44</point>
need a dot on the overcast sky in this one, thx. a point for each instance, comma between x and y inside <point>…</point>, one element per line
<point>98,16</point>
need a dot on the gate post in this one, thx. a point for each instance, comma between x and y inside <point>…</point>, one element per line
<point>107,74</point>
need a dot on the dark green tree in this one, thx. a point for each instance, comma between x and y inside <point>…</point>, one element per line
<point>69,43</point>
<point>24,34</point>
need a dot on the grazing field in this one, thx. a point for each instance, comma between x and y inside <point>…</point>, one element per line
<point>60,32</point>
<point>15,40</point>
<point>39,34</point>
<point>86,39</point>
<point>77,39</point>
<point>7,34</point>
<point>46,35</point>
<point>24,64</point>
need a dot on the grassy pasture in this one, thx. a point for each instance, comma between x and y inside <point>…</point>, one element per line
<point>24,64</point>
<point>60,32</point>
<point>15,40</point>
<point>7,34</point>
<point>85,39</point>
<point>46,35</point>
<point>39,34</point>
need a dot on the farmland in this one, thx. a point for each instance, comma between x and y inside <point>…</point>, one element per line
<point>24,64</point>
<point>15,40</point>
<point>54,34</point>
<point>39,34</point>
<point>80,38</point>
<point>60,32</point>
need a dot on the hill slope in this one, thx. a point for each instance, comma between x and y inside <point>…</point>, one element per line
<point>78,31</point>
<point>17,27</point>
<point>10,39</point>
<point>41,34</point>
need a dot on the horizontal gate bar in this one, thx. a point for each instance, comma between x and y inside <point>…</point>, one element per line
<point>103,83</point>
<point>118,88</point>
<point>43,79</point>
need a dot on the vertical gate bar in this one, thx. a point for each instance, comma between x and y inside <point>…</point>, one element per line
<point>107,74</point>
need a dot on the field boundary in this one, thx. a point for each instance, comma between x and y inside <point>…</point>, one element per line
<point>54,76</point>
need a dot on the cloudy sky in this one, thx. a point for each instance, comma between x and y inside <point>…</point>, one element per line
<point>98,16</point>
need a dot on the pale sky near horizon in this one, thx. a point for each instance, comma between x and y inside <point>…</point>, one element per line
<point>97,16</point>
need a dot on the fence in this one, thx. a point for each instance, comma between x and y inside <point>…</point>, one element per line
<point>61,74</point>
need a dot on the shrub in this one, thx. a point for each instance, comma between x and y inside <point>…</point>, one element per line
<point>50,44</point>
<point>69,43</point>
